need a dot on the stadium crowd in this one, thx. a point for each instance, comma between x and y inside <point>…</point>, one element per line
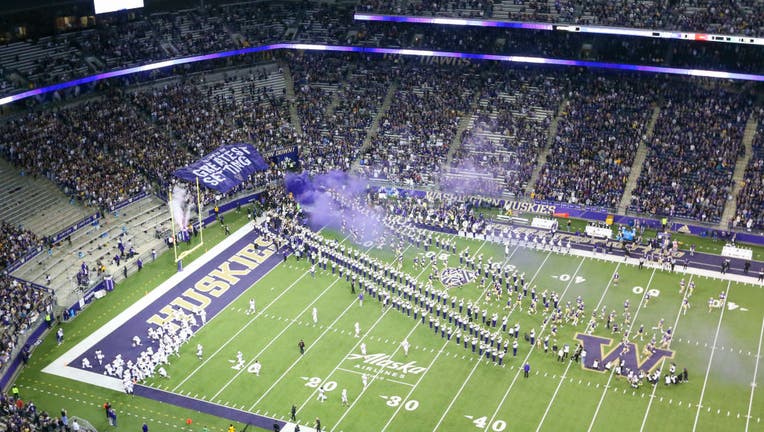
<point>117,43</point>
<point>695,145</point>
<point>597,137</point>
<point>125,141</point>
<point>337,98</point>
<point>22,305</point>
<point>508,131</point>
<point>416,132</point>
<point>15,242</point>
<point>17,415</point>
<point>750,198</point>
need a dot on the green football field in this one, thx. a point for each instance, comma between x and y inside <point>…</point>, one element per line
<point>440,385</point>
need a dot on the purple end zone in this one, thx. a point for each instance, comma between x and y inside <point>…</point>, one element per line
<point>208,407</point>
<point>120,340</point>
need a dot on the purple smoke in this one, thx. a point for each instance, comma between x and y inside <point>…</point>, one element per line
<point>336,200</point>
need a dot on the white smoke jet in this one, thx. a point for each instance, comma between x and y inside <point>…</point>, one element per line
<point>180,206</point>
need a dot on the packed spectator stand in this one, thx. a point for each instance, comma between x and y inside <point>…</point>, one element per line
<point>750,198</point>
<point>507,132</point>
<point>458,126</point>
<point>597,137</point>
<point>693,152</point>
<point>417,130</point>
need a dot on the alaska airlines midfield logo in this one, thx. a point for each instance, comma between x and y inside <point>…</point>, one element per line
<point>627,353</point>
<point>383,361</point>
<point>453,277</point>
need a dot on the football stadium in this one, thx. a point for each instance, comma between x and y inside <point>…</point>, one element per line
<point>381,215</point>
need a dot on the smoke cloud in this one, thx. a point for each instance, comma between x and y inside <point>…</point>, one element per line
<point>337,200</point>
<point>180,206</point>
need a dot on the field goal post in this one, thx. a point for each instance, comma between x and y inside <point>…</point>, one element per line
<point>85,425</point>
<point>185,253</point>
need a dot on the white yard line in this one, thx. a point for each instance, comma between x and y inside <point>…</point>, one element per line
<point>612,372</point>
<point>329,327</point>
<point>530,351</point>
<point>386,379</point>
<point>466,380</point>
<point>458,393</point>
<point>354,347</point>
<point>343,358</point>
<point>336,368</point>
<point>408,395</point>
<point>474,368</point>
<point>655,386</point>
<point>446,343</point>
<point>273,339</point>
<point>60,366</point>
<point>711,359</point>
<point>244,327</point>
<point>755,372</point>
<point>371,381</point>
<point>248,322</point>
<point>312,344</point>
<point>565,374</point>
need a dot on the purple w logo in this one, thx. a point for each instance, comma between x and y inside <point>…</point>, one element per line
<point>626,353</point>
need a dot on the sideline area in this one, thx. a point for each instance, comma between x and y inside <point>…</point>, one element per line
<point>64,365</point>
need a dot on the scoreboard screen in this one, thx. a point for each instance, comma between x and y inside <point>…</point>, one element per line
<point>104,6</point>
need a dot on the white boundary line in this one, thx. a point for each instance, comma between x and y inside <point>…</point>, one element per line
<point>710,360</point>
<point>565,374</point>
<point>273,339</point>
<point>612,372</point>
<point>371,381</point>
<point>755,372</point>
<point>60,366</point>
<point>530,351</point>
<point>244,327</point>
<point>408,395</point>
<point>251,320</point>
<point>663,362</point>
<point>329,327</point>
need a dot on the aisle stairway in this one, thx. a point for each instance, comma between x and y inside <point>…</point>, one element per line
<point>374,129</point>
<point>738,177</point>
<point>289,79</point>
<point>544,153</point>
<point>639,161</point>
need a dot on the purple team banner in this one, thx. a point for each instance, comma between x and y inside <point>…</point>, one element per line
<point>225,168</point>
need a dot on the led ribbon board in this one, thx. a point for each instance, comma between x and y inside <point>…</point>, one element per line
<point>395,51</point>
<point>619,31</point>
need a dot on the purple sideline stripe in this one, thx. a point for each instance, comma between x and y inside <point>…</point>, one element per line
<point>119,341</point>
<point>412,52</point>
<point>208,408</point>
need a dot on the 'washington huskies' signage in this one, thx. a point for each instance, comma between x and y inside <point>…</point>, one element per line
<point>625,353</point>
<point>224,168</point>
<point>280,154</point>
